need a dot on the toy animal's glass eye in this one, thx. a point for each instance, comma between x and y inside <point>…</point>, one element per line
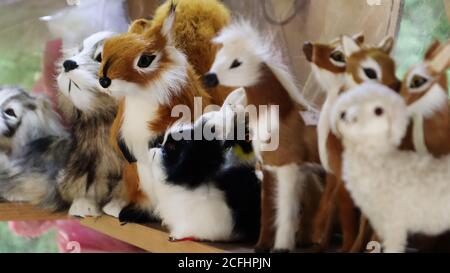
<point>98,58</point>
<point>417,81</point>
<point>235,64</point>
<point>371,73</point>
<point>10,112</point>
<point>338,56</point>
<point>145,60</point>
<point>378,111</point>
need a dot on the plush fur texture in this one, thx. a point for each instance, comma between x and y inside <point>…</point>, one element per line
<point>247,59</point>
<point>384,181</point>
<point>370,63</point>
<point>36,149</point>
<point>93,175</point>
<point>362,63</point>
<point>197,196</point>
<point>167,79</point>
<point>424,89</point>
<point>329,65</point>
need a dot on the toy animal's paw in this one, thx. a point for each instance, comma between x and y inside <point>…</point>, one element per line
<point>133,213</point>
<point>113,208</point>
<point>84,207</point>
<point>177,239</point>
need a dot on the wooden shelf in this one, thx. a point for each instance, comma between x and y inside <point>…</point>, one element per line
<point>152,238</point>
<point>26,212</point>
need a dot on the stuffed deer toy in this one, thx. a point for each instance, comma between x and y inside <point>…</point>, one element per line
<point>401,192</point>
<point>425,92</point>
<point>328,63</point>
<point>358,64</point>
<point>281,140</point>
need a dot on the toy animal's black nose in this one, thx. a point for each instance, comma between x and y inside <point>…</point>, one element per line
<point>308,50</point>
<point>210,80</point>
<point>105,82</point>
<point>69,65</point>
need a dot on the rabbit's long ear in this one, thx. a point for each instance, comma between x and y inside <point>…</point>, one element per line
<point>441,61</point>
<point>139,26</point>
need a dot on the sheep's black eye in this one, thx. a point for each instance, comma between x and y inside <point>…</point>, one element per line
<point>10,112</point>
<point>338,56</point>
<point>370,73</point>
<point>145,60</point>
<point>343,115</point>
<point>98,58</point>
<point>379,111</point>
<point>235,64</point>
<point>418,81</point>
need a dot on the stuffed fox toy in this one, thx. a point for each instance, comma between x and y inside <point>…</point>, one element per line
<point>150,73</point>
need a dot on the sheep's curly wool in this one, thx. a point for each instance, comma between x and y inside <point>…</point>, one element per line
<point>401,192</point>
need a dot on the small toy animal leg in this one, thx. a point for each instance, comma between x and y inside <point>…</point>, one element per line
<point>114,207</point>
<point>289,184</point>
<point>364,233</point>
<point>348,217</point>
<point>394,241</point>
<point>83,207</point>
<point>267,233</point>
<point>325,217</point>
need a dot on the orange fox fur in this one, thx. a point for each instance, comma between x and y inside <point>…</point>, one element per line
<point>206,18</point>
<point>196,23</point>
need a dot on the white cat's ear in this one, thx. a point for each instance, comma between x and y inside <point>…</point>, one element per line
<point>349,45</point>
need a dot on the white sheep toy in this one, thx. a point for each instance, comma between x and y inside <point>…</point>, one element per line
<point>401,192</point>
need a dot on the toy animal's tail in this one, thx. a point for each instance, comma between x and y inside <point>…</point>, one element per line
<point>32,186</point>
<point>197,23</point>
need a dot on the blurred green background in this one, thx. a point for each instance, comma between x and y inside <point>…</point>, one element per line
<point>20,63</point>
<point>11,243</point>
